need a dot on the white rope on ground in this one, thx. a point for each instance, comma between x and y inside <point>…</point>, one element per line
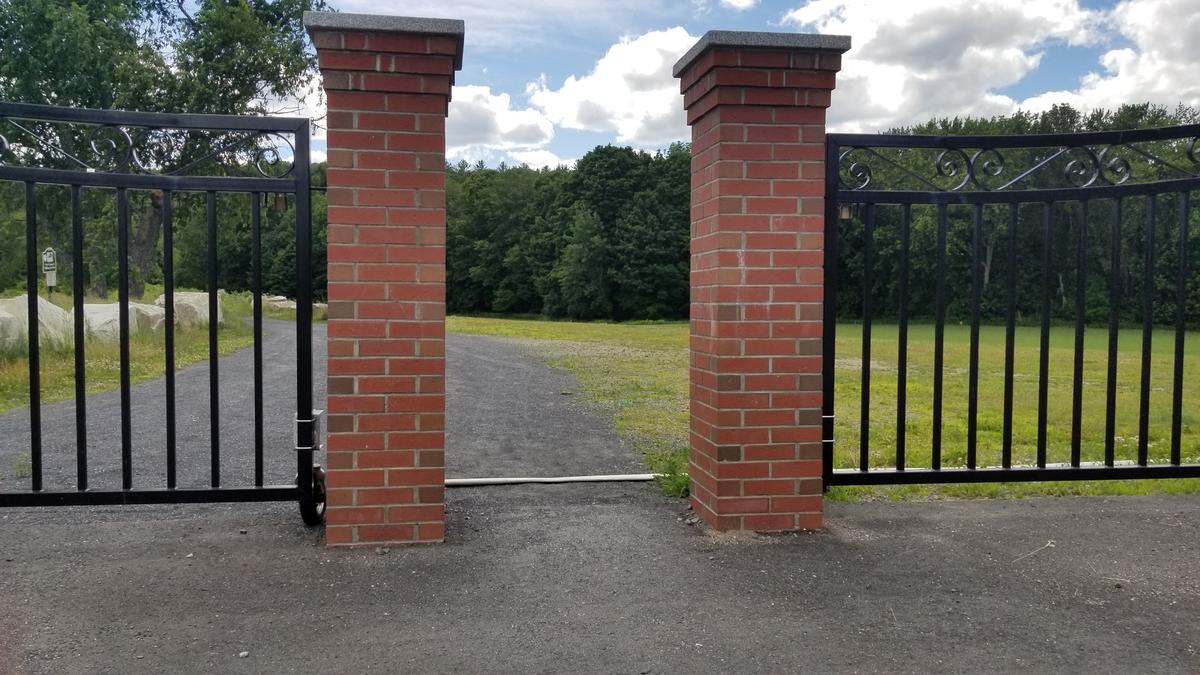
<point>604,478</point>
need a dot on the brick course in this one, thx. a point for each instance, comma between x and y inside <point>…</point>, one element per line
<point>387,95</point>
<point>758,130</point>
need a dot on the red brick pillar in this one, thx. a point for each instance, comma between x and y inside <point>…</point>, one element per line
<point>387,82</point>
<point>756,104</point>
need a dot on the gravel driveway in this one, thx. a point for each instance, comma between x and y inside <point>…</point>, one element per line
<point>605,578</point>
<point>508,415</point>
<point>192,424</point>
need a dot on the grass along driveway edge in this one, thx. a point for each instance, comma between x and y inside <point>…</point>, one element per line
<point>638,373</point>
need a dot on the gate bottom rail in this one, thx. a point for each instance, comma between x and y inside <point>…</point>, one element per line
<point>270,493</point>
<point>1013,475</point>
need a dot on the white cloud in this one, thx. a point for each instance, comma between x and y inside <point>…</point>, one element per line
<point>479,117</point>
<point>630,91</point>
<point>496,26</point>
<point>1159,66</point>
<point>487,126</point>
<point>917,59</point>
<point>739,4</point>
<point>539,159</point>
<point>308,102</point>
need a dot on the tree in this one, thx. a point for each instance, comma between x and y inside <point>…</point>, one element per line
<point>582,271</point>
<point>651,243</point>
<point>225,56</point>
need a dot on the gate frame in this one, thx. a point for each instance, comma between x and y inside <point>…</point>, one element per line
<point>128,173</point>
<point>1107,181</point>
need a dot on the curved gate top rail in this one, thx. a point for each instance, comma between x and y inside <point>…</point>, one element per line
<point>95,151</point>
<point>1058,191</point>
<point>140,150</point>
<point>1011,169</point>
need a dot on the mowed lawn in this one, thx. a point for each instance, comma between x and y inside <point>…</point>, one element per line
<point>102,365</point>
<point>638,372</point>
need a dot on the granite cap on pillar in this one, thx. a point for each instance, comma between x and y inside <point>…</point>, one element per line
<point>834,44</point>
<point>383,23</point>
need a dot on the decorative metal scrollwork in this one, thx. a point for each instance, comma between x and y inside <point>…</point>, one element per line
<point>269,163</point>
<point>1083,168</point>
<point>950,163</point>
<point>1114,168</point>
<point>112,149</point>
<point>121,148</point>
<point>985,164</point>
<point>859,173</point>
<point>893,165</point>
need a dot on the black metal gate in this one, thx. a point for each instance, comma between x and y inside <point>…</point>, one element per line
<point>917,227</point>
<point>165,156</point>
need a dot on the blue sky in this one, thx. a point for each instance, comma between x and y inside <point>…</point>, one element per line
<point>544,81</point>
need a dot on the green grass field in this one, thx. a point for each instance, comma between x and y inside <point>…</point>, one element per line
<point>639,373</point>
<point>102,372</point>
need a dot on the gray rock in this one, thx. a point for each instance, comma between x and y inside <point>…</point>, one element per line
<point>103,320</point>
<point>55,324</point>
<point>11,333</point>
<point>278,302</point>
<point>191,308</point>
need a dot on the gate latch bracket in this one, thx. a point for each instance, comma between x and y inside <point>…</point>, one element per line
<point>308,433</point>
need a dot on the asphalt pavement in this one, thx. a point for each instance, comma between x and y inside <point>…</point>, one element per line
<point>508,414</point>
<point>605,578</point>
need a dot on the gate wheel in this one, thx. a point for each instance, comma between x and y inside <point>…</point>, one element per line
<point>312,511</point>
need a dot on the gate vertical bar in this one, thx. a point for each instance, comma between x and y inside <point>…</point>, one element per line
<point>81,471</point>
<point>1010,334</point>
<point>1077,373</point>
<point>1180,325</point>
<point>1147,331</point>
<point>1114,325</point>
<point>1044,342</point>
<point>256,294</point>
<point>305,432</point>
<point>902,347</point>
<point>169,327</point>
<point>939,334</point>
<point>214,398</point>
<point>973,366</point>
<point>123,322</point>
<point>829,310</point>
<point>864,420</point>
<point>34,337</point>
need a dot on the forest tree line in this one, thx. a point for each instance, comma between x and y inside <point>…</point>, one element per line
<point>608,238</point>
<point>1078,243</point>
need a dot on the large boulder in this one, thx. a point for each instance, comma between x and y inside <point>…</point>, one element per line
<point>54,323</point>
<point>191,308</point>
<point>11,336</point>
<point>278,302</point>
<point>103,321</point>
<point>148,317</point>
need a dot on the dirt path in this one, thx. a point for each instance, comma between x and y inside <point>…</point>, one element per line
<point>509,414</point>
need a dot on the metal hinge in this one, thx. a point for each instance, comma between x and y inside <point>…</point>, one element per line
<point>307,433</point>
